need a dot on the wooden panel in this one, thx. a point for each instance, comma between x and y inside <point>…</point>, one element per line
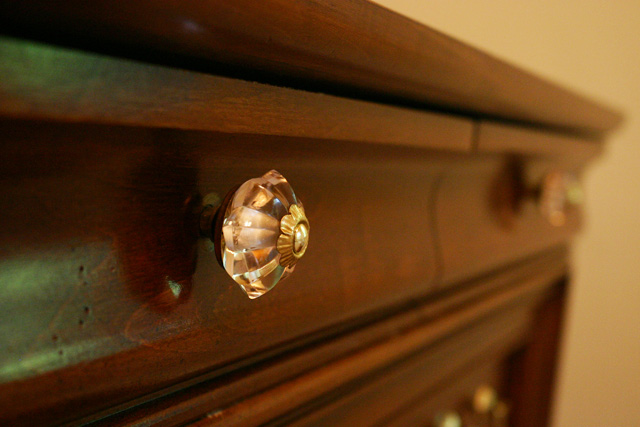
<point>480,229</point>
<point>524,380</point>
<point>454,395</point>
<point>571,151</point>
<point>445,377</point>
<point>532,373</point>
<point>332,377</point>
<point>106,296</point>
<point>490,340</point>
<point>212,395</point>
<point>356,45</point>
<point>43,82</point>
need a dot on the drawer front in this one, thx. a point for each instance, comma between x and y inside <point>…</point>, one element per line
<point>455,401</point>
<point>488,208</point>
<point>480,229</point>
<point>107,295</point>
<point>419,380</point>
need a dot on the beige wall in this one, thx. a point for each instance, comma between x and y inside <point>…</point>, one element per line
<point>594,48</point>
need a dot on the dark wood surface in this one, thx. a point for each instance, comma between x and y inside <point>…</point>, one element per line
<point>516,354</point>
<point>479,229</point>
<point>41,82</point>
<point>355,47</point>
<point>532,393</point>
<point>349,379</point>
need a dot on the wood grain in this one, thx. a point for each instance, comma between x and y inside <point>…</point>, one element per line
<point>355,47</point>
<point>47,83</point>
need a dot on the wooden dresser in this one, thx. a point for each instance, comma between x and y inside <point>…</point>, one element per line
<point>441,187</point>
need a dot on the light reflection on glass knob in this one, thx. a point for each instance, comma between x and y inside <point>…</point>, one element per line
<point>259,232</point>
<point>559,191</point>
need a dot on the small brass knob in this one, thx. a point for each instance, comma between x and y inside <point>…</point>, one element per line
<point>447,419</point>
<point>558,193</point>
<point>259,231</point>
<point>485,399</point>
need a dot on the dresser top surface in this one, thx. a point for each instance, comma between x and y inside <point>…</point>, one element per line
<point>352,48</point>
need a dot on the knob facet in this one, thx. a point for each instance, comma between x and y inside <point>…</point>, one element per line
<point>260,233</point>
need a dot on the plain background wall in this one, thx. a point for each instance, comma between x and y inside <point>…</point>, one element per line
<point>592,47</point>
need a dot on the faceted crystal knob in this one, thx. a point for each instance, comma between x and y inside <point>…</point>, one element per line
<point>559,192</point>
<point>260,232</point>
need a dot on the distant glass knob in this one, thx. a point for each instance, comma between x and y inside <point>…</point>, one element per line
<point>259,231</point>
<point>559,191</point>
<point>447,419</point>
<point>485,399</point>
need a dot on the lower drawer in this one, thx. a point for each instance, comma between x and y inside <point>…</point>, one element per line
<point>455,401</point>
<point>438,380</point>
